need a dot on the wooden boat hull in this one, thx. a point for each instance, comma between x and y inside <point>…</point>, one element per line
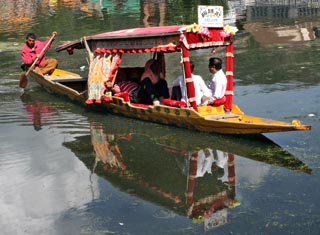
<point>207,119</point>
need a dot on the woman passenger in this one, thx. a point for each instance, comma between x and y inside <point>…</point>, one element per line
<point>153,87</point>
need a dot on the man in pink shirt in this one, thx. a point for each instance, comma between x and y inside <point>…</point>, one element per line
<point>32,50</point>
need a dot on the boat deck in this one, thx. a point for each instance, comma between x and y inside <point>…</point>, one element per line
<point>221,116</point>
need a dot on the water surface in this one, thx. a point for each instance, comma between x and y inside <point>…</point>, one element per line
<point>67,170</point>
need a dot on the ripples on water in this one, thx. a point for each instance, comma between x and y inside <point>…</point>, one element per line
<point>36,173</point>
<point>47,156</point>
<point>20,16</point>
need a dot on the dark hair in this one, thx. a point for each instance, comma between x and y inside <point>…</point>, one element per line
<point>31,35</point>
<point>215,62</point>
<point>155,67</point>
<point>191,66</point>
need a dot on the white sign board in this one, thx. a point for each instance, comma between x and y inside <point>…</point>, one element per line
<point>210,16</point>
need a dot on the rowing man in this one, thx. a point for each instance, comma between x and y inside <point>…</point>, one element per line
<point>32,49</point>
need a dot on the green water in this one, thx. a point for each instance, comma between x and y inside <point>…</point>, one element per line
<point>54,178</point>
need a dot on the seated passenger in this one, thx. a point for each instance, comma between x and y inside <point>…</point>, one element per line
<point>218,82</point>
<point>202,92</point>
<point>153,87</point>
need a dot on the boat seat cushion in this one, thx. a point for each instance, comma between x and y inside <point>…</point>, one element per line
<point>174,103</point>
<point>220,101</point>
<point>124,95</point>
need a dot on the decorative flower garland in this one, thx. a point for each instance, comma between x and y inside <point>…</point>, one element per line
<point>228,31</point>
<point>195,28</point>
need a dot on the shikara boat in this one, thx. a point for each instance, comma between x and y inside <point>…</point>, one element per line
<point>107,51</point>
<point>192,174</point>
<point>41,105</point>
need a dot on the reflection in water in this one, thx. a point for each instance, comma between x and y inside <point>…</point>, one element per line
<point>205,178</point>
<point>153,12</point>
<point>19,15</point>
<point>38,112</point>
<point>212,208</point>
<point>298,32</point>
<point>286,31</point>
<point>199,183</point>
<point>106,148</point>
<point>15,14</point>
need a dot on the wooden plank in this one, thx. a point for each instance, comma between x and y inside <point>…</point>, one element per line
<point>221,116</point>
<point>68,79</point>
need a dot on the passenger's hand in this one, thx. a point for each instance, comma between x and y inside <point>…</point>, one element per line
<point>54,33</point>
<point>156,102</point>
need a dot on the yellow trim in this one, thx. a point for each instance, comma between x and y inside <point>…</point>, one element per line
<point>192,99</point>
<point>229,54</point>
<point>189,80</point>
<point>229,93</point>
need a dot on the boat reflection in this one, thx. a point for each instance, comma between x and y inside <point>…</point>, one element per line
<point>172,171</point>
<point>38,112</point>
<point>199,184</point>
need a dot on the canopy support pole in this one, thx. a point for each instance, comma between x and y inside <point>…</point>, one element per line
<point>188,78</point>
<point>90,53</point>
<point>229,75</point>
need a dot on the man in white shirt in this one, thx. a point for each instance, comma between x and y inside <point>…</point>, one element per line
<point>200,87</point>
<point>218,83</point>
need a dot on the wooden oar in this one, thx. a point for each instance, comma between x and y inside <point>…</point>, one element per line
<point>23,76</point>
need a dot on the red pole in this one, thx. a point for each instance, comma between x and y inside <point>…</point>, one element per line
<point>188,78</point>
<point>191,181</point>
<point>231,170</point>
<point>229,75</point>
<point>231,177</point>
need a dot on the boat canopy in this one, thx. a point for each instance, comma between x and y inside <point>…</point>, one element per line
<point>164,39</point>
<point>153,39</point>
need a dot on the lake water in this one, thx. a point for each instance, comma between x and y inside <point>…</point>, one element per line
<point>68,170</point>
